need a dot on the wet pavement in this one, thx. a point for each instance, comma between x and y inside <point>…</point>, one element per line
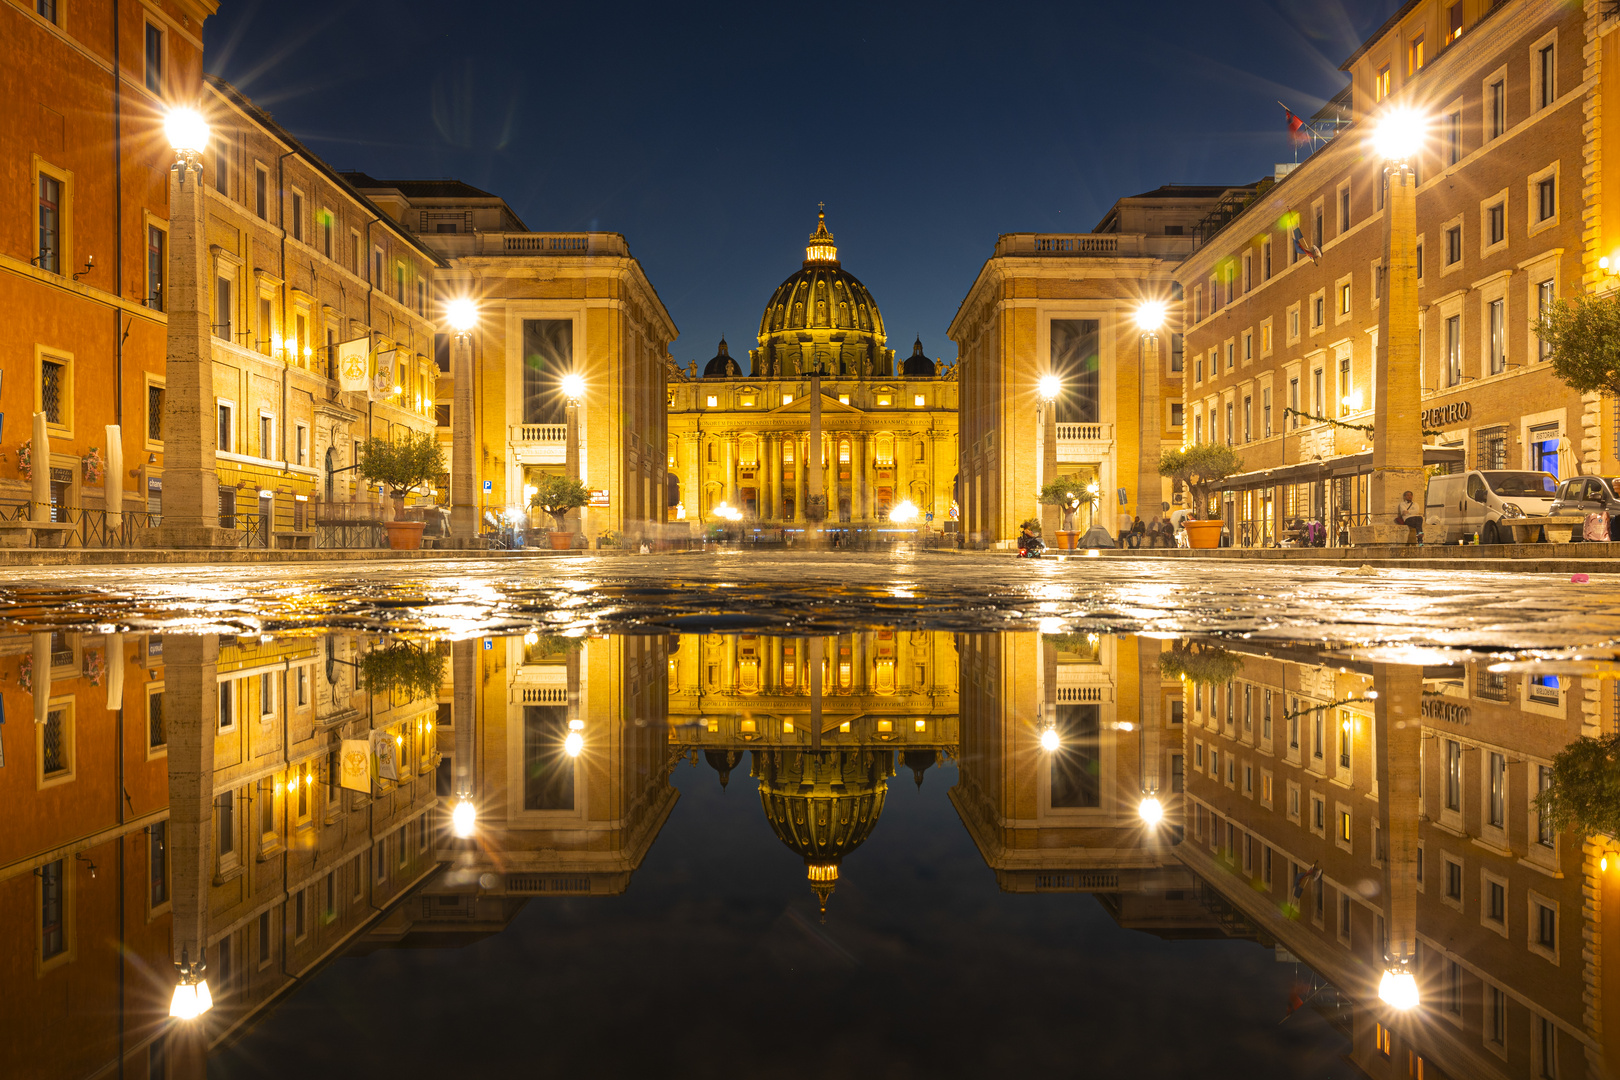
<point>780,593</point>
<point>914,815</point>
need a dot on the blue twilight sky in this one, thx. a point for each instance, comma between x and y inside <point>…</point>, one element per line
<point>706,133</point>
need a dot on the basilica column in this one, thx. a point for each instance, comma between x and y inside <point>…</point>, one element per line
<point>728,481</point>
<point>770,443</point>
<point>692,488</point>
<point>800,463</point>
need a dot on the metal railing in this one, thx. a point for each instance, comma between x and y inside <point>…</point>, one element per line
<point>351,534</point>
<point>89,527</point>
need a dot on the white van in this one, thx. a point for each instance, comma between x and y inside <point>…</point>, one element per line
<point>1469,504</point>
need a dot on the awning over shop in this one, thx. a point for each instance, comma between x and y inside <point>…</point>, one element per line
<point>1310,472</point>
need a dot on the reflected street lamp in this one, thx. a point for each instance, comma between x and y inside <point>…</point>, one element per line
<point>1398,988</point>
<point>191,997</point>
<point>463,818</point>
<point>1150,810</point>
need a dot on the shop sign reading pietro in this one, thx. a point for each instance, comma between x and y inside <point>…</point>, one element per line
<point>1443,415</point>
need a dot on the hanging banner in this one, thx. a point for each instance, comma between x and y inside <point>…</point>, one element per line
<point>354,764</point>
<point>353,363</point>
<point>382,384</point>
<point>382,745</point>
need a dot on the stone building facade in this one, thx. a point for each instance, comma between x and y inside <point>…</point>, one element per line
<point>1065,305</point>
<point>1281,341</point>
<point>549,305</point>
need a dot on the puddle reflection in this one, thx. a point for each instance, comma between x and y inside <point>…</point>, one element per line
<point>265,805</point>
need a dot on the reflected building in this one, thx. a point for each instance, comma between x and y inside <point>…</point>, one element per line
<point>548,823</point>
<point>827,722</point>
<point>181,795</point>
<point>1068,819</point>
<point>1343,807</point>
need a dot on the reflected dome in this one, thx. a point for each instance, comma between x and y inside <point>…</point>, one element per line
<point>823,805</point>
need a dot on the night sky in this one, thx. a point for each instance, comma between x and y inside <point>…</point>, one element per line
<point>707,133</point>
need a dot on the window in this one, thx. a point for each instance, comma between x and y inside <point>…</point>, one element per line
<point>1176,414</point>
<point>154,59</point>
<point>54,387</point>
<point>1317,309</point>
<point>52,911</point>
<point>1228,423</point>
<point>1544,302</point>
<point>1381,84</point>
<point>1546,198</point>
<point>156,733</point>
<point>1454,251</point>
<point>261,194</point>
<point>1495,901</point>
<point>399,282</point>
<point>1454,985</point>
<point>1495,224</point>
<point>1454,21</point>
<point>1496,109</point>
<point>1248,436</point>
<point>1453,350</point>
<point>1265,259</point>
<point>1495,1015</point>
<point>222,309</point>
<point>1293,404</point>
<point>1496,808</point>
<point>297,215</point>
<point>1344,917</point>
<point>157,863</point>
<point>1344,298</point>
<point>1545,927</point>
<point>1231,356</point>
<point>264,938</point>
<point>56,746</point>
<point>1453,775</point>
<point>1453,133</point>
<point>1381,1034</point>
<point>225,820</point>
<point>299,917</point>
<point>1454,881</point>
<point>46,9</point>
<point>227,441</point>
<point>154,413</point>
<point>227,705</point>
<point>156,263</point>
<point>222,165</point>
<point>1318,398</point>
<point>49,256</point>
<point>1419,261</point>
<point>1546,1049</point>
<point>1414,64</point>
<point>1546,76</point>
<point>1265,418</point>
<point>1496,328</point>
<point>267,437</point>
<point>267,693</point>
<point>326,249</point>
<point>301,451</point>
<point>1546,835</point>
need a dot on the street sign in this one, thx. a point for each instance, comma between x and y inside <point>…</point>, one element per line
<point>489,487</point>
<point>599,497</point>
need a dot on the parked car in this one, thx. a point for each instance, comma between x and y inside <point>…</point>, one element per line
<point>1470,504</point>
<point>1589,494</point>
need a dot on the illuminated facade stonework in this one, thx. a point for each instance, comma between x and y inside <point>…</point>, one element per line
<point>888,430</point>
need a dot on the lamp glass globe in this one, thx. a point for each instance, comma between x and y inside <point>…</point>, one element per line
<point>462,314</point>
<point>1151,810</point>
<point>1150,315</point>
<point>1398,989</point>
<point>462,818</point>
<point>186,130</point>
<point>1398,135</point>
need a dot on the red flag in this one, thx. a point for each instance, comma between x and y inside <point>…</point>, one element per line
<point>1297,130</point>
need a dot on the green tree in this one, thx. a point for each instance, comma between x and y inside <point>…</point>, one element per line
<point>557,495</point>
<point>1067,492</point>
<point>402,465</point>
<point>1200,466</point>
<point>417,672</point>
<point>1584,336</point>
<point>1199,664</point>
<point>1585,789</point>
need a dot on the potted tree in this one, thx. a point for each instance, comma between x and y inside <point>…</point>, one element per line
<point>557,495</point>
<point>402,465</point>
<point>1204,663</point>
<point>1198,467</point>
<point>415,671</point>
<point>1067,493</point>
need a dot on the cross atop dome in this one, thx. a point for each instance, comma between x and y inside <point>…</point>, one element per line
<point>821,248</point>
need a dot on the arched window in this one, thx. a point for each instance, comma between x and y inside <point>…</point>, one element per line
<point>843,451</point>
<point>885,449</point>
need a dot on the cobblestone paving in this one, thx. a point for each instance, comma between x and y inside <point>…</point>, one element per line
<point>798,593</point>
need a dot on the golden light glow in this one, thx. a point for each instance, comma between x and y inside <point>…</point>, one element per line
<point>573,744</point>
<point>1398,989</point>
<point>1399,134</point>
<point>1050,386</point>
<point>186,130</point>
<point>1151,811</point>
<point>905,511</point>
<point>463,817</point>
<point>1049,740</point>
<point>822,873</point>
<point>462,314</point>
<point>1150,315</point>
<point>573,384</point>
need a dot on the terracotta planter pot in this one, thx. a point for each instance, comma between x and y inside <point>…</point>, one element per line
<point>1204,534</point>
<point>1065,540</point>
<point>404,535</point>
<point>562,541</point>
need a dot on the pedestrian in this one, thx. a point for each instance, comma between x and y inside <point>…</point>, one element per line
<point>1029,545</point>
<point>1138,533</point>
<point>1126,521</point>
<point>1407,513</point>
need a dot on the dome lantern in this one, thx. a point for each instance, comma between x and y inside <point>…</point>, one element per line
<point>821,251</point>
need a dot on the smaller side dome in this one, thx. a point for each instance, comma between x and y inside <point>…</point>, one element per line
<point>918,761</point>
<point>722,762</point>
<point>917,365</point>
<point>722,366</point>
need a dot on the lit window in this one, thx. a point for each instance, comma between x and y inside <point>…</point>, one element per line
<point>917,400</point>
<point>1381,84</point>
<point>713,401</point>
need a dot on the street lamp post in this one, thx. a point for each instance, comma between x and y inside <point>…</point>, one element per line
<point>462,315</point>
<point>1398,743</point>
<point>573,387</point>
<point>190,432</point>
<point>1048,387</point>
<point>1149,318</point>
<point>1397,377</point>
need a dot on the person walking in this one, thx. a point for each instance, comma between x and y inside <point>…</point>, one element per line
<point>1407,513</point>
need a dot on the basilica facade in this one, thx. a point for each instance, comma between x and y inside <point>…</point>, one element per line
<point>739,441</point>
